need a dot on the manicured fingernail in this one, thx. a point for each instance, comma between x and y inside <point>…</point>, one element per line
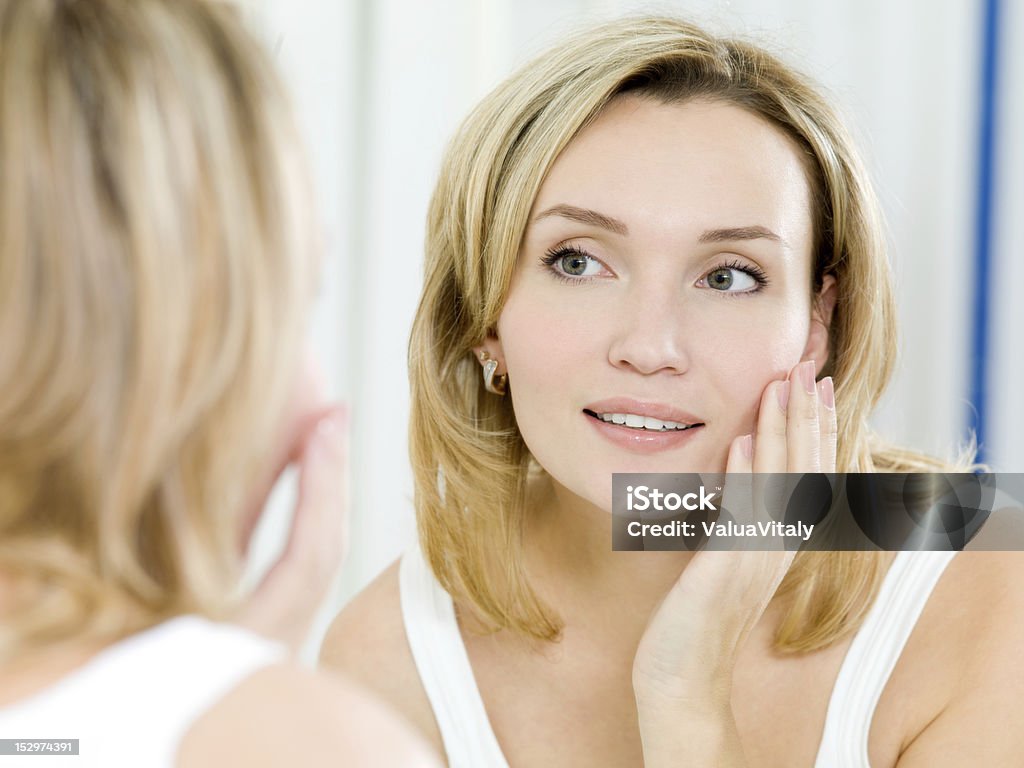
<point>827,392</point>
<point>747,444</point>
<point>806,374</point>
<point>782,392</point>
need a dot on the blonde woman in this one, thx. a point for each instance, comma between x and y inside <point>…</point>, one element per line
<point>656,250</point>
<point>157,255</point>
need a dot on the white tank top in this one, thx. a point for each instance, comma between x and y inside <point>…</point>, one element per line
<point>469,740</point>
<point>131,704</point>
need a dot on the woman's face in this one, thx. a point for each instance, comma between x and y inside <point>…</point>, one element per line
<point>664,277</point>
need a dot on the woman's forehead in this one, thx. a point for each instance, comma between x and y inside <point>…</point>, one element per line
<point>695,165</point>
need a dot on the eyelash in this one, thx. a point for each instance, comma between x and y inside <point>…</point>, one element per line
<point>555,254</point>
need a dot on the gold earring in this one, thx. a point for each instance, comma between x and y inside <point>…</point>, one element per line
<point>494,384</point>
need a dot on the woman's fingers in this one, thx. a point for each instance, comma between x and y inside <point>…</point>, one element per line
<point>803,439</point>
<point>741,453</point>
<point>737,493</point>
<point>770,437</point>
<point>320,526</point>
<point>795,429</point>
<point>286,601</point>
<point>827,424</point>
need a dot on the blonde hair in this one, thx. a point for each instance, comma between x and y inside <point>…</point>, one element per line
<point>156,255</point>
<point>469,459</point>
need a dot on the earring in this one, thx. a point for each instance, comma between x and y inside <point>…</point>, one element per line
<point>494,384</point>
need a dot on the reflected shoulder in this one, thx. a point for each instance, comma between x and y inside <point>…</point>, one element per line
<point>285,715</point>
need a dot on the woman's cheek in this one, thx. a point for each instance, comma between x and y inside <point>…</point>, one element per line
<point>765,359</point>
<point>542,338</point>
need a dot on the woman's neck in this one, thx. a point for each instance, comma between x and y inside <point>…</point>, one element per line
<point>569,557</point>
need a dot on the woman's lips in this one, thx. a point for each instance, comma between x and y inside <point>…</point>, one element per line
<point>642,440</point>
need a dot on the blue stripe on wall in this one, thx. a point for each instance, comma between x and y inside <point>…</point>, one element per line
<point>978,413</point>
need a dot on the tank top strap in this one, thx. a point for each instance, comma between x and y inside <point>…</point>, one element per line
<point>443,665</point>
<point>873,654</point>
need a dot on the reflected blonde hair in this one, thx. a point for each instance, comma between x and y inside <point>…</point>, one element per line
<point>156,256</point>
<point>469,459</point>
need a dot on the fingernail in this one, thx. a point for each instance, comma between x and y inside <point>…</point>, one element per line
<point>747,444</point>
<point>806,374</point>
<point>334,422</point>
<point>827,392</point>
<point>782,392</point>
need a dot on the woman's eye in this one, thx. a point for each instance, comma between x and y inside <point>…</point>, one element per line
<point>570,262</point>
<point>730,279</point>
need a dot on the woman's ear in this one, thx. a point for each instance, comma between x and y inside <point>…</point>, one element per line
<point>818,342</point>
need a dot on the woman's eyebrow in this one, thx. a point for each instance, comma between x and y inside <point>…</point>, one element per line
<point>584,216</point>
<point>740,233</point>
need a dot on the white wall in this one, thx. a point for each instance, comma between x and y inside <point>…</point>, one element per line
<point>381,86</point>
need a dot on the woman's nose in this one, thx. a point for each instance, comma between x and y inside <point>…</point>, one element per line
<point>650,332</point>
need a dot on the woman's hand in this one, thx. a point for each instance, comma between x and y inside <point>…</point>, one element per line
<point>284,604</point>
<point>312,436</point>
<point>682,672</point>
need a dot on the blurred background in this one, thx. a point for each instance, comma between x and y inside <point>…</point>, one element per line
<point>934,91</point>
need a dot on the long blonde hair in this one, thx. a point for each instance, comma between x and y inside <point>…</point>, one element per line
<point>469,460</point>
<point>156,255</point>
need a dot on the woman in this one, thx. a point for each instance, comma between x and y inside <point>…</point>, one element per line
<point>157,256</point>
<point>660,250</point>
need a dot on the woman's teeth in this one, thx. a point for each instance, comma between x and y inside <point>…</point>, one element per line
<point>642,422</point>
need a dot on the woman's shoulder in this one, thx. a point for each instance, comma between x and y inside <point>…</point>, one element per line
<point>964,655</point>
<point>975,618</point>
<point>367,643</point>
<point>978,598</point>
<point>285,715</point>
